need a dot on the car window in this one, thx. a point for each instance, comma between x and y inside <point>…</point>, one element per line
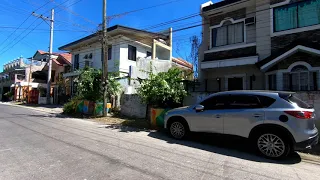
<point>295,100</point>
<point>266,101</point>
<point>244,102</point>
<point>216,102</point>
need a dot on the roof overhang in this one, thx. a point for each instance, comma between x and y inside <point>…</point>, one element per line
<point>71,74</point>
<point>292,51</point>
<point>229,62</point>
<point>225,6</point>
<point>112,31</point>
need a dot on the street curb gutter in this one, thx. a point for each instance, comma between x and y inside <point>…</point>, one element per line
<point>310,158</point>
<point>36,109</point>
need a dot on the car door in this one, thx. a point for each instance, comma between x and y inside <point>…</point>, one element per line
<point>242,113</point>
<point>211,118</point>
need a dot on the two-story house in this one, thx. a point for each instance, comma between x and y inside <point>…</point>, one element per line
<point>260,44</point>
<point>126,47</point>
<point>22,75</point>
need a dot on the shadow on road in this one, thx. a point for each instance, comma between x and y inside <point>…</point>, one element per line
<point>122,128</point>
<point>42,105</point>
<point>50,115</point>
<point>224,145</point>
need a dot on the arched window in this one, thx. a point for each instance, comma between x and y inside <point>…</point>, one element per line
<point>300,79</point>
<point>227,34</point>
<point>299,68</point>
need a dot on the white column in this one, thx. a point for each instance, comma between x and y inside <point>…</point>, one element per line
<point>279,81</point>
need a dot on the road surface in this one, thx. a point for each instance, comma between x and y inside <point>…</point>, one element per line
<point>35,145</point>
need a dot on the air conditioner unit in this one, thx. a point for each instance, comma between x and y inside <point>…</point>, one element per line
<point>250,21</point>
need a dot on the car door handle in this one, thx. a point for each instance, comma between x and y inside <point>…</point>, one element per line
<point>257,115</point>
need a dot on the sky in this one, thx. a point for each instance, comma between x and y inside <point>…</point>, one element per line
<point>75,19</point>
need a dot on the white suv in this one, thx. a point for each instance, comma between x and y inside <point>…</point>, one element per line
<point>276,122</point>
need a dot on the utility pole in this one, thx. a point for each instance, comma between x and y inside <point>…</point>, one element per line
<point>50,50</point>
<point>105,57</point>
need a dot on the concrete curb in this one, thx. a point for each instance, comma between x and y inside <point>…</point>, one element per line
<point>33,108</point>
<point>310,158</point>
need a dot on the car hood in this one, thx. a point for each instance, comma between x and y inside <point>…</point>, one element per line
<point>179,109</point>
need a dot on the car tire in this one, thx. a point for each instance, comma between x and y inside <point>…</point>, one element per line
<point>272,145</point>
<point>178,129</point>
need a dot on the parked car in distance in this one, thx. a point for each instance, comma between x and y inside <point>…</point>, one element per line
<point>277,123</point>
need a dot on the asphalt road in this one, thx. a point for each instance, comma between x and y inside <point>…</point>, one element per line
<point>35,145</point>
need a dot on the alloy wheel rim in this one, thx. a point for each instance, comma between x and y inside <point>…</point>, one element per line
<point>177,130</point>
<point>271,145</point>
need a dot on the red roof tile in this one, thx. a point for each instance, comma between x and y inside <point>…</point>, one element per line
<point>42,52</point>
<point>45,52</point>
<point>182,62</point>
<point>64,58</point>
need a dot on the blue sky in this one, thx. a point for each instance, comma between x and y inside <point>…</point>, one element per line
<point>82,19</point>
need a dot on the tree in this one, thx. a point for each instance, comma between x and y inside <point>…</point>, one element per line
<point>89,87</point>
<point>89,84</point>
<point>164,90</point>
<point>194,55</point>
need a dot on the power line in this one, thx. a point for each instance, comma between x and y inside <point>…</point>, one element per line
<point>141,9</point>
<point>46,30</point>
<point>20,39</point>
<point>22,23</point>
<point>74,13</point>
<point>185,28</point>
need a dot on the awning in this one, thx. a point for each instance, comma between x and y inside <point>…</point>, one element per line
<point>25,84</point>
<point>71,74</point>
<point>229,62</point>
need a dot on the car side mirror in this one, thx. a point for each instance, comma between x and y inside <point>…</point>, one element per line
<point>199,108</point>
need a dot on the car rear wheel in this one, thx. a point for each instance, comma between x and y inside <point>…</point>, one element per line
<point>178,129</point>
<point>272,145</point>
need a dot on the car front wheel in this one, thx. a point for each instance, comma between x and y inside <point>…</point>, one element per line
<point>272,145</point>
<point>178,130</point>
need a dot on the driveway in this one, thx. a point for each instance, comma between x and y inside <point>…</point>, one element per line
<point>35,145</point>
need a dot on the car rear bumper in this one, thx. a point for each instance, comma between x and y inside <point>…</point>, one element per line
<point>308,144</point>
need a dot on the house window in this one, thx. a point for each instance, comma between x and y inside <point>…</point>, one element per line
<point>76,62</point>
<point>272,81</point>
<point>296,15</point>
<point>87,63</point>
<point>132,53</point>
<point>300,79</point>
<point>228,34</point>
<point>109,52</point>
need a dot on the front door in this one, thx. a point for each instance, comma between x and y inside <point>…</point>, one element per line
<point>242,113</point>
<point>235,83</point>
<point>211,118</point>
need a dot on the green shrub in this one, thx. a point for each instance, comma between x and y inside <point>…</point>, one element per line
<point>71,106</point>
<point>9,94</point>
<point>164,90</point>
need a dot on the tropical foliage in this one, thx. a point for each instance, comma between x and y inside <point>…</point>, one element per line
<point>89,87</point>
<point>164,89</point>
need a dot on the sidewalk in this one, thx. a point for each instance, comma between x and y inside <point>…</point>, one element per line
<point>52,109</point>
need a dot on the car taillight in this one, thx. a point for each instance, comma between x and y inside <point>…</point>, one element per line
<point>300,114</point>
